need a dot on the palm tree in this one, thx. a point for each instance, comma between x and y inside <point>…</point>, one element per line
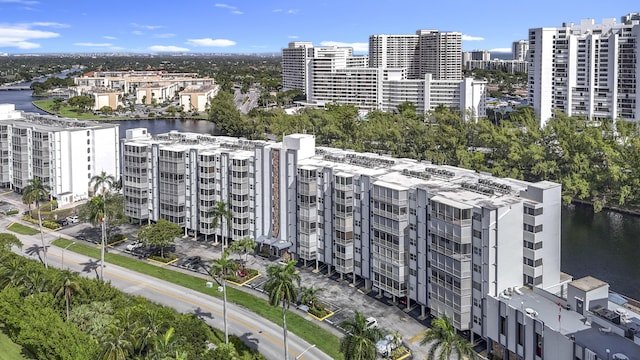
<point>36,191</point>
<point>360,341</point>
<point>444,340</point>
<point>68,286</point>
<point>95,213</point>
<point>116,345</point>
<point>309,295</point>
<point>220,212</point>
<point>281,284</point>
<point>222,267</point>
<point>35,282</point>
<point>247,245</point>
<point>104,183</point>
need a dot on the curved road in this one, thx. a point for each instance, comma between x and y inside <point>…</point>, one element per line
<point>259,333</point>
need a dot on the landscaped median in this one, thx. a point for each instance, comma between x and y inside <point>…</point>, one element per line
<point>22,229</point>
<point>296,324</point>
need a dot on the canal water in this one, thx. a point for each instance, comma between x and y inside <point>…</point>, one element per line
<point>605,245</point>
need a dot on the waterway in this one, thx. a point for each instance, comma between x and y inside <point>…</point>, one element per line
<point>605,245</point>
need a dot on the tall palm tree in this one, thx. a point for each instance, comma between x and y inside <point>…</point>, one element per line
<point>36,191</point>
<point>222,267</point>
<point>102,184</point>
<point>35,282</point>
<point>68,285</point>
<point>281,285</point>
<point>95,210</point>
<point>219,213</point>
<point>360,341</point>
<point>444,340</point>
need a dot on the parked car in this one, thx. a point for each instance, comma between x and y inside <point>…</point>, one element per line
<point>192,262</point>
<point>134,245</point>
<point>63,222</point>
<point>73,219</point>
<point>372,322</point>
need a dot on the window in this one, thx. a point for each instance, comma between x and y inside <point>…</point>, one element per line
<point>520,334</point>
<point>503,325</point>
<point>477,234</point>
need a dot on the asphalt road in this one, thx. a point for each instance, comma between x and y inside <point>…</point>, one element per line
<point>257,332</point>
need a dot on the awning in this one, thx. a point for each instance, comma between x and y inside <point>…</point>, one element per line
<point>274,242</point>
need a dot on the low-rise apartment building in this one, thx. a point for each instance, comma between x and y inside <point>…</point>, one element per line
<point>197,98</point>
<point>64,153</point>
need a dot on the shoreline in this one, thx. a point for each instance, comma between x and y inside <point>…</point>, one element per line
<point>607,207</point>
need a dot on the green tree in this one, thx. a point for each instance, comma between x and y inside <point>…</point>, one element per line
<point>160,234</point>
<point>116,344</point>
<point>444,340</point>
<point>219,213</point>
<point>281,285</point>
<point>37,191</point>
<point>225,352</point>
<point>222,268</point>
<point>309,295</point>
<point>68,285</point>
<point>360,341</point>
<point>243,246</point>
<point>7,241</point>
<point>225,115</point>
<point>102,184</point>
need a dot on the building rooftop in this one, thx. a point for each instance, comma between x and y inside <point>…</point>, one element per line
<point>588,283</point>
<point>582,328</point>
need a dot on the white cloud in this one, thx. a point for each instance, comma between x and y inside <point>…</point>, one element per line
<point>23,2</point>
<point>164,36</point>
<point>276,10</point>
<point>357,46</point>
<point>148,27</point>
<point>466,37</point>
<point>109,37</point>
<point>292,36</point>
<point>20,36</point>
<point>49,24</point>
<point>208,42</point>
<point>234,10</point>
<point>137,32</point>
<point>167,48</point>
<point>292,11</point>
<point>501,50</point>
<point>92,44</point>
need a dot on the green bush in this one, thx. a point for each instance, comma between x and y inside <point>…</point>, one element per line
<point>49,224</point>
<point>12,212</point>
<point>115,238</point>
<point>249,274</point>
<point>318,311</point>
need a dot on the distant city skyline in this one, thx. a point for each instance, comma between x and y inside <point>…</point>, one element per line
<point>233,26</point>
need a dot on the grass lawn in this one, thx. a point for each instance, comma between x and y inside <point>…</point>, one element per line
<point>8,349</point>
<point>296,324</point>
<point>22,229</point>
<point>70,112</point>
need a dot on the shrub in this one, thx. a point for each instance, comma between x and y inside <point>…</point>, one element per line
<point>318,310</point>
<point>115,238</point>
<point>12,212</point>
<point>249,273</point>
<point>50,224</point>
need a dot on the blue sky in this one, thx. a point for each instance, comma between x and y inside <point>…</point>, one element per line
<point>258,26</point>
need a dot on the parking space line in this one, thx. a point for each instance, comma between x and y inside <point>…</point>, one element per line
<point>416,337</point>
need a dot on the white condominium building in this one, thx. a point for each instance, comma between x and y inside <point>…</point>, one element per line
<point>443,237</point>
<point>64,153</point>
<point>399,68</point>
<point>294,65</point>
<point>586,69</point>
<point>519,50</point>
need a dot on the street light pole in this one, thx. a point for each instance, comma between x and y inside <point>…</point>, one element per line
<point>66,247</point>
<point>305,350</point>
